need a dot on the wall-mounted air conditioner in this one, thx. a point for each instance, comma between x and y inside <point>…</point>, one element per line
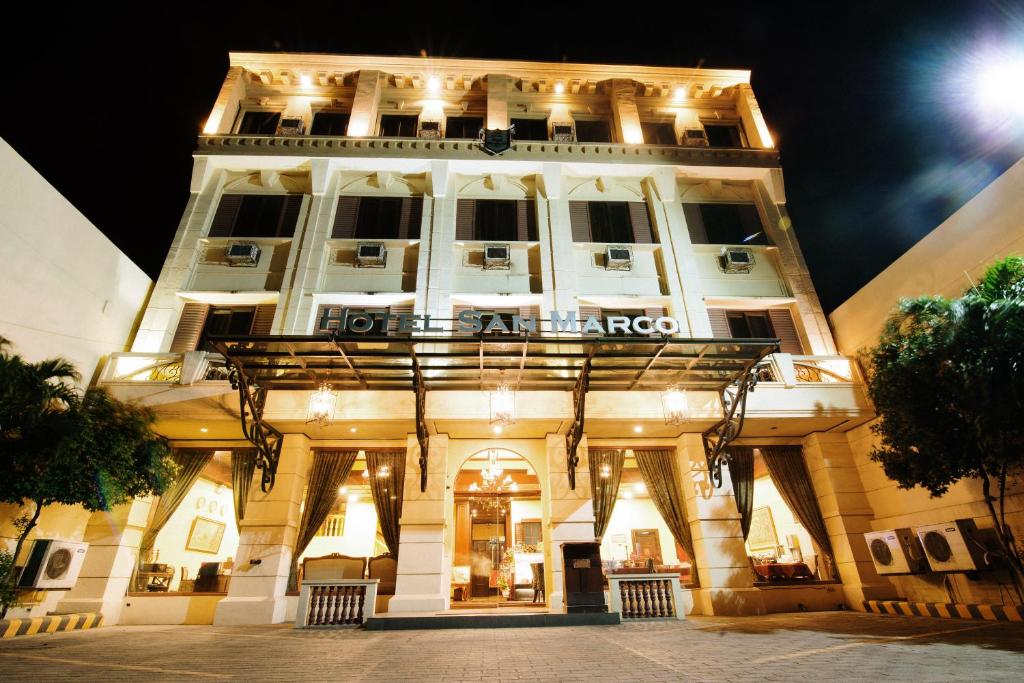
<point>244,254</point>
<point>695,137</point>
<point>896,551</point>
<point>430,129</point>
<point>371,255</point>
<point>497,257</point>
<point>53,564</point>
<point>952,546</point>
<point>736,260</point>
<point>562,132</point>
<point>291,125</point>
<point>618,258</point>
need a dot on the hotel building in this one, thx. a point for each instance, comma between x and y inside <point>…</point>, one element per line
<point>348,222</point>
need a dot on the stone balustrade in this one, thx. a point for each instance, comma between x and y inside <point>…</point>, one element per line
<point>646,596</point>
<point>340,602</point>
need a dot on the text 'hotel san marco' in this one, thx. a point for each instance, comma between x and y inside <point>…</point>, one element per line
<point>431,319</point>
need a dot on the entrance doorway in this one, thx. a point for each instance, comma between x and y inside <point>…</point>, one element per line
<point>498,559</point>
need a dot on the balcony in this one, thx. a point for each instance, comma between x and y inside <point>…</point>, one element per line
<point>428,148</point>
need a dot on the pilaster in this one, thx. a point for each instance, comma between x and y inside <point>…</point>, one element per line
<point>625,114</point>
<point>364,105</point>
<point>498,87</point>
<point>570,515</point>
<point>563,293</point>
<point>660,192</point>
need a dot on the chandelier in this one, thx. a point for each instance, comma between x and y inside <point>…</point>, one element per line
<point>321,406</point>
<point>503,405</point>
<point>675,405</point>
<point>493,484</point>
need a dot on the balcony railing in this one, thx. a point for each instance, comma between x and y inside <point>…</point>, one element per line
<point>645,596</point>
<point>342,602</point>
<point>792,370</point>
<point>164,368</point>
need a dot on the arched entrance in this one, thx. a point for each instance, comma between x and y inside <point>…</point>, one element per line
<point>498,558</point>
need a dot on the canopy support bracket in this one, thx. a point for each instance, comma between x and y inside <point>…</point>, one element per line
<point>422,435</point>
<point>252,400</point>
<point>575,433</point>
<point>722,433</point>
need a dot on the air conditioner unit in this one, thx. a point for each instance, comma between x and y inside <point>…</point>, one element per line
<point>243,254</point>
<point>371,255</point>
<point>896,551</point>
<point>430,129</point>
<point>695,137</point>
<point>618,258</point>
<point>291,125</point>
<point>562,132</point>
<point>736,260</point>
<point>497,257</point>
<point>952,546</point>
<point>53,564</point>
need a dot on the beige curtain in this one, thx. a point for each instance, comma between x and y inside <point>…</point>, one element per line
<point>328,474</point>
<point>789,474</point>
<point>387,487</point>
<point>661,475</point>
<point>243,466</point>
<point>741,471</point>
<point>190,462</point>
<point>604,490</point>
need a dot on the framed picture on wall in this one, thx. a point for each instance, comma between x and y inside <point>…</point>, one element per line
<point>205,535</point>
<point>762,534</point>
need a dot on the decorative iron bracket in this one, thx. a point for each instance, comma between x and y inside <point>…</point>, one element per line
<point>724,432</point>
<point>575,433</point>
<point>252,399</point>
<point>422,436</point>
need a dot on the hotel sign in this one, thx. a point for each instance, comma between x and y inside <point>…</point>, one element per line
<point>474,321</point>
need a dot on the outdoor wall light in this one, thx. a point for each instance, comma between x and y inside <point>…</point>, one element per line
<point>305,80</point>
<point>503,405</point>
<point>679,94</point>
<point>559,88</point>
<point>433,84</point>
<point>675,405</point>
<point>321,406</point>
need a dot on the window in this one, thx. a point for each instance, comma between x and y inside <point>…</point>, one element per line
<point>764,323</point>
<point>256,215</point>
<point>227,321</point>
<point>723,135</point>
<point>658,133</point>
<point>749,325</point>
<point>724,224</point>
<point>463,127</point>
<point>198,321</point>
<point>593,131</point>
<point>378,218</point>
<point>530,129</point>
<point>259,123</point>
<point>329,123</point>
<point>495,221</point>
<point>606,314</point>
<point>506,315</point>
<point>528,532</point>
<point>610,222</point>
<point>398,126</point>
<point>506,220</point>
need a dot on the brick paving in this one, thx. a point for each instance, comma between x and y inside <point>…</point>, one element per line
<point>808,647</point>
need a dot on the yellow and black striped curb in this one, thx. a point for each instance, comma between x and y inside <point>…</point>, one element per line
<point>946,610</point>
<point>10,628</point>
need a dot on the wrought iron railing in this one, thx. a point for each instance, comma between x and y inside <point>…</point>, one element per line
<point>792,370</point>
<point>165,368</point>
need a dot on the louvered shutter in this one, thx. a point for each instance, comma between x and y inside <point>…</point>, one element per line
<point>345,218</point>
<point>526,220</point>
<point>456,309</point>
<point>528,312</point>
<point>411,218</point>
<point>397,310</point>
<point>641,220</point>
<point>263,319</point>
<point>695,223</point>
<point>586,312</point>
<point>465,218</point>
<point>785,330</point>
<point>227,212</point>
<point>654,312</point>
<point>289,218</point>
<point>719,323</point>
<point>323,309</point>
<point>190,326</point>
<point>579,219</point>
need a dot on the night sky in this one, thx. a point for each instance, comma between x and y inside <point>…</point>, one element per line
<point>878,143</point>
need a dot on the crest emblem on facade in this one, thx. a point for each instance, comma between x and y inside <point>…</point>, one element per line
<point>496,141</point>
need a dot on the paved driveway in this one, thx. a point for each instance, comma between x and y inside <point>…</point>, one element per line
<point>803,648</point>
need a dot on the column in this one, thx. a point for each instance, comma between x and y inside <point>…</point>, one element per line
<point>726,579</point>
<point>570,513</point>
<point>113,539</point>
<point>625,114</point>
<point>424,569</point>
<point>225,109</point>
<point>498,86</point>
<point>256,594</point>
<point>848,515</point>
<point>753,121</point>
<point>364,105</point>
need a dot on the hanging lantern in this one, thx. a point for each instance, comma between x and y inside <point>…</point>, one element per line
<point>503,405</point>
<point>321,406</point>
<point>675,405</point>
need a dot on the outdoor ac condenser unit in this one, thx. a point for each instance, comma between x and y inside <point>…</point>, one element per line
<point>430,129</point>
<point>618,258</point>
<point>562,132</point>
<point>53,564</point>
<point>243,254</point>
<point>896,551</point>
<point>695,137</point>
<point>736,260</point>
<point>497,256</point>
<point>952,546</point>
<point>371,255</point>
<point>291,125</point>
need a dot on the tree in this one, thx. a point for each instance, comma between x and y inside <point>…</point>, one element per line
<point>947,380</point>
<point>58,445</point>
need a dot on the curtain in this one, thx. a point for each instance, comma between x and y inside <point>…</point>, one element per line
<point>661,475</point>
<point>243,465</point>
<point>387,492</point>
<point>328,474</point>
<point>603,490</point>
<point>190,462</point>
<point>741,471</point>
<point>789,474</point>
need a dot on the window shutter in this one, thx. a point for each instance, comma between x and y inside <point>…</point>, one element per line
<point>785,330</point>
<point>526,220</point>
<point>579,219</point>
<point>263,319</point>
<point>719,323</point>
<point>465,217</point>
<point>227,212</point>
<point>456,309</point>
<point>655,312</point>
<point>695,223</point>
<point>190,326</point>
<point>527,312</point>
<point>641,220</point>
<point>588,311</point>
<point>345,218</point>
<point>289,219</point>
<point>397,310</point>
<point>411,218</point>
